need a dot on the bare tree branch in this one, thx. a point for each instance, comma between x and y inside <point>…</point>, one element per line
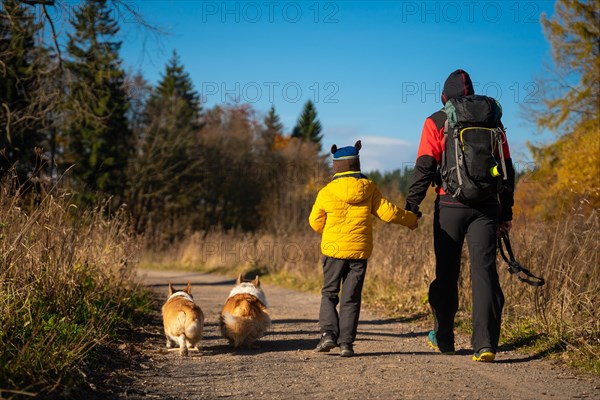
<point>54,37</point>
<point>139,18</point>
<point>42,2</point>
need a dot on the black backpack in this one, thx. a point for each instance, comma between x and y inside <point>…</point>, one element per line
<point>472,166</point>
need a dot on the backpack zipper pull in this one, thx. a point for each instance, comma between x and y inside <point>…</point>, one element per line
<point>460,182</point>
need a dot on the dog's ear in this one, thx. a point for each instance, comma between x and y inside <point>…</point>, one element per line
<point>358,145</point>
<point>333,149</point>
<point>239,279</point>
<point>256,282</point>
<point>171,291</point>
<point>188,289</point>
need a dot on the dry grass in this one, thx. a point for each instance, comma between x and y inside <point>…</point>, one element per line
<point>564,311</point>
<point>66,283</point>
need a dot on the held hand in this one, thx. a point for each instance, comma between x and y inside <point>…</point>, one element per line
<point>415,226</point>
<point>412,216</point>
<point>503,227</point>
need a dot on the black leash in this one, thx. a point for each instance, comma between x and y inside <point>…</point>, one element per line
<point>514,267</point>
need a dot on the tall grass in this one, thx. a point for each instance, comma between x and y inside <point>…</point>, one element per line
<point>66,282</point>
<point>560,316</point>
<point>567,254</point>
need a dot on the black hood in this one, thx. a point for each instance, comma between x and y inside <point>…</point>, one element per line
<point>458,84</point>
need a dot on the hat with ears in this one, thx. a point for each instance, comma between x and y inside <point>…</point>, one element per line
<point>346,159</point>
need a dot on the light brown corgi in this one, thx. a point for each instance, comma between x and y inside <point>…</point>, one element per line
<point>245,317</point>
<point>183,320</point>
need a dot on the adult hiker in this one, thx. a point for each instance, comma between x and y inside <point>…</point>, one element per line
<point>463,149</point>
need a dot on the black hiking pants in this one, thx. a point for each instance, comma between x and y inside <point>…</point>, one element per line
<point>453,221</point>
<point>350,276</point>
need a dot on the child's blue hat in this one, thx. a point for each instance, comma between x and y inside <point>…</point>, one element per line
<point>346,159</point>
<point>346,153</point>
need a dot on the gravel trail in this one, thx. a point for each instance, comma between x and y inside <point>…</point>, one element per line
<point>392,359</point>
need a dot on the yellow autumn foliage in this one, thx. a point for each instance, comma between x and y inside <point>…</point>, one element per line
<point>567,177</point>
<point>578,170</point>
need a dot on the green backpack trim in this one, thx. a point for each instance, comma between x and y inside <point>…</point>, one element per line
<point>450,114</point>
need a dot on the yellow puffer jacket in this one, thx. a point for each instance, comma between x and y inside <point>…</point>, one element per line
<point>342,213</point>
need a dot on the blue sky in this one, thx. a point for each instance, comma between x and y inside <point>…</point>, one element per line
<point>374,69</point>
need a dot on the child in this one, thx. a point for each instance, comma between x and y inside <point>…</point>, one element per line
<point>342,214</point>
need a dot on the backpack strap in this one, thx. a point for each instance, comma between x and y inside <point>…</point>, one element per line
<point>499,132</point>
<point>440,120</point>
<point>458,175</point>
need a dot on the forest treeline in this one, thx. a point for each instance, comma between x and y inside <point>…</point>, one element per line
<point>71,116</point>
<point>77,119</point>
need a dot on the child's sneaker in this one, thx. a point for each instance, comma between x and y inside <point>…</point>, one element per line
<point>433,343</point>
<point>326,343</point>
<point>484,355</point>
<point>346,350</point>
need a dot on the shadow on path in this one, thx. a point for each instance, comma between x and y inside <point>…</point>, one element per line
<point>388,321</point>
<point>183,284</point>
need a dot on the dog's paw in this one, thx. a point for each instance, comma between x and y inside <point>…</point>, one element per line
<point>250,345</point>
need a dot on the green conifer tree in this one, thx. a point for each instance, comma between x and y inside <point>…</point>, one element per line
<point>21,121</point>
<point>572,95</point>
<point>176,84</point>
<point>97,132</point>
<point>272,128</point>
<point>308,127</point>
<point>166,172</point>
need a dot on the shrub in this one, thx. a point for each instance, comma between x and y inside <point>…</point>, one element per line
<point>66,281</point>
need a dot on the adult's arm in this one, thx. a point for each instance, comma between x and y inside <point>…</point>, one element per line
<point>428,158</point>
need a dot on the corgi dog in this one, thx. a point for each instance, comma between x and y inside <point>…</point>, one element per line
<point>183,320</point>
<point>245,317</point>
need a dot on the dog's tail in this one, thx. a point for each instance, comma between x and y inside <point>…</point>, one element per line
<point>234,322</point>
<point>247,324</point>
<point>233,328</point>
<point>193,327</point>
<point>230,320</point>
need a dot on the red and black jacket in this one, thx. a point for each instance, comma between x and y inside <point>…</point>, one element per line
<point>431,149</point>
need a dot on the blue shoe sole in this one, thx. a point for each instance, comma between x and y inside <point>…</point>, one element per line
<point>432,342</point>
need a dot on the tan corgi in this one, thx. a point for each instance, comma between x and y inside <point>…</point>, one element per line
<point>245,317</point>
<point>183,320</point>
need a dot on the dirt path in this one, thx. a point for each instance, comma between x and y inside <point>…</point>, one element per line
<point>393,360</point>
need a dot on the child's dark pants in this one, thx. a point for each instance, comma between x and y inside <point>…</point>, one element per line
<point>350,274</point>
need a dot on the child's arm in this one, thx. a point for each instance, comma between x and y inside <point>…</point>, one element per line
<point>389,212</point>
<point>317,216</point>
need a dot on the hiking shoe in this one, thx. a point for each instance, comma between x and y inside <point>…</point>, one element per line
<point>433,343</point>
<point>326,343</point>
<point>346,350</point>
<point>484,355</point>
